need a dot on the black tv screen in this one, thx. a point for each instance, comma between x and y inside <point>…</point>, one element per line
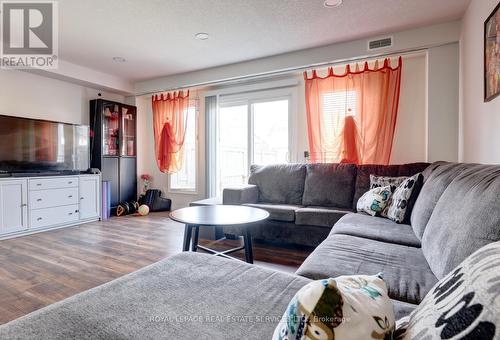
<point>28,145</point>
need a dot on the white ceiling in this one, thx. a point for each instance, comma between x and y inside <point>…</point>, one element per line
<point>156,37</point>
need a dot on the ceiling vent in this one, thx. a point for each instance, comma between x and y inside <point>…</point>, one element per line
<point>379,43</point>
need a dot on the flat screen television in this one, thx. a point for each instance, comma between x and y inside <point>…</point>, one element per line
<point>31,145</point>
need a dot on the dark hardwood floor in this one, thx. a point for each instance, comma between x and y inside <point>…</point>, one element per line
<point>40,269</point>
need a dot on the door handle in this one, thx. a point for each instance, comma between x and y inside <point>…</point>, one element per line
<point>81,198</point>
<point>70,213</point>
<point>70,182</point>
<point>39,184</point>
<point>24,205</point>
<point>39,219</point>
<point>39,200</point>
<point>70,196</point>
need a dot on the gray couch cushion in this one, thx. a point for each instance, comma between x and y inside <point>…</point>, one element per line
<point>278,212</point>
<point>241,194</point>
<point>466,217</point>
<point>206,201</point>
<point>329,185</point>
<point>440,176</point>
<point>279,183</point>
<point>188,296</point>
<point>319,216</point>
<point>289,232</point>
<point>376,228</point>
<point>402,309</point>
<point>403,268</point>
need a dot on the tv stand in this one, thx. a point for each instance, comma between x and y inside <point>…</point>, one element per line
<point>35,174</point>
<point>42,173</point>
<point>31,204</point>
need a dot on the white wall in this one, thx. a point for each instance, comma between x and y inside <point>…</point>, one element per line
<point>443,103</point>
<point>422,37</point>
<point>410,138</point>
<point>87,77</point>
<point>480,125</point>
<point>29,95</point>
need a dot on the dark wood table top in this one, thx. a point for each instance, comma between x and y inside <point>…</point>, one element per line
<point>219,215</point>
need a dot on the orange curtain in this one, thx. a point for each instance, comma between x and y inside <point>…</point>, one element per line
<point>351,117</point>
<point>169,124</point>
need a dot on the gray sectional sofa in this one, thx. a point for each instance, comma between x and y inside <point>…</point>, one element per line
<point>197,296</point>
<point>305,200</point>
<point>456,213</point>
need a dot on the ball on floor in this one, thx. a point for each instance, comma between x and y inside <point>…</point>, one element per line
<point>143,210</point>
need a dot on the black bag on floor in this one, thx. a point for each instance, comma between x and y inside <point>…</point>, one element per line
<point>154,201</point>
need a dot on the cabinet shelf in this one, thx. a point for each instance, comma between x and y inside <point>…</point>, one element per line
<point>115,147</point>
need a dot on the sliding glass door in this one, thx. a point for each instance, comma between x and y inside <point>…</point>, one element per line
<point>233,145</point>
<point>270,132</point>
<point>250,131</point>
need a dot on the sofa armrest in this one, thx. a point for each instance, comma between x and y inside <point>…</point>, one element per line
<point>239,195</point>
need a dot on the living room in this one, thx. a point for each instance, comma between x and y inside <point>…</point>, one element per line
<point>337,147</point>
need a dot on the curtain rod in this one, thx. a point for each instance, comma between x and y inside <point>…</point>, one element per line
<point>297,69</point>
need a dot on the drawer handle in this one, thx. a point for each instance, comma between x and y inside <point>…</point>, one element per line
<point>82,198</point>
<point>39,219</point>
<point>39,200</point>
<point>70,213</point>
<point>70,196</point>
<point>70,182</point>
<point>39,184</point>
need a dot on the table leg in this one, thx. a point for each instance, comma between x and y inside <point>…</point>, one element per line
<point>195,238</point>
<point>247,239</point>
<point>187,237</point>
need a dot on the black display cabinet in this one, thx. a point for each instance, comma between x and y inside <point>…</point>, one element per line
<point>113,147</point>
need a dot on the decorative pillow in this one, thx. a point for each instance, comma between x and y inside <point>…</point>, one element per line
<point>383,181</point>
<point>465,304</point>
<point>403,199</point>
<point>374,201</point>
<point>347,307</point>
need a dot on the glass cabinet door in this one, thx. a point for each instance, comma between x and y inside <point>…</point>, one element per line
<point>110,128</point>
<point>128,138</point>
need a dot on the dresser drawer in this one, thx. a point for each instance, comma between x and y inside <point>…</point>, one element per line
<point>53,183</point>
<point>53,216</point>
<point>53,198</point>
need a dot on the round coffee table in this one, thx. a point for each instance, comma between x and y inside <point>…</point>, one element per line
<point>218,216</point>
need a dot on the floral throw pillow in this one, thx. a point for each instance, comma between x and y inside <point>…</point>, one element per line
<point>346,307</point>
<point>374,201</point>
<point>403,199</point>
<point>465,304</point>
<point>383,181</point>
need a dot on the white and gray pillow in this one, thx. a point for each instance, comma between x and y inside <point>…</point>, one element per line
<point>403,199</point>
<point>465,304</point>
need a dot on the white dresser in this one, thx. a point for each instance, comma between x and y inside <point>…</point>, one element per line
<point>34,204</point>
